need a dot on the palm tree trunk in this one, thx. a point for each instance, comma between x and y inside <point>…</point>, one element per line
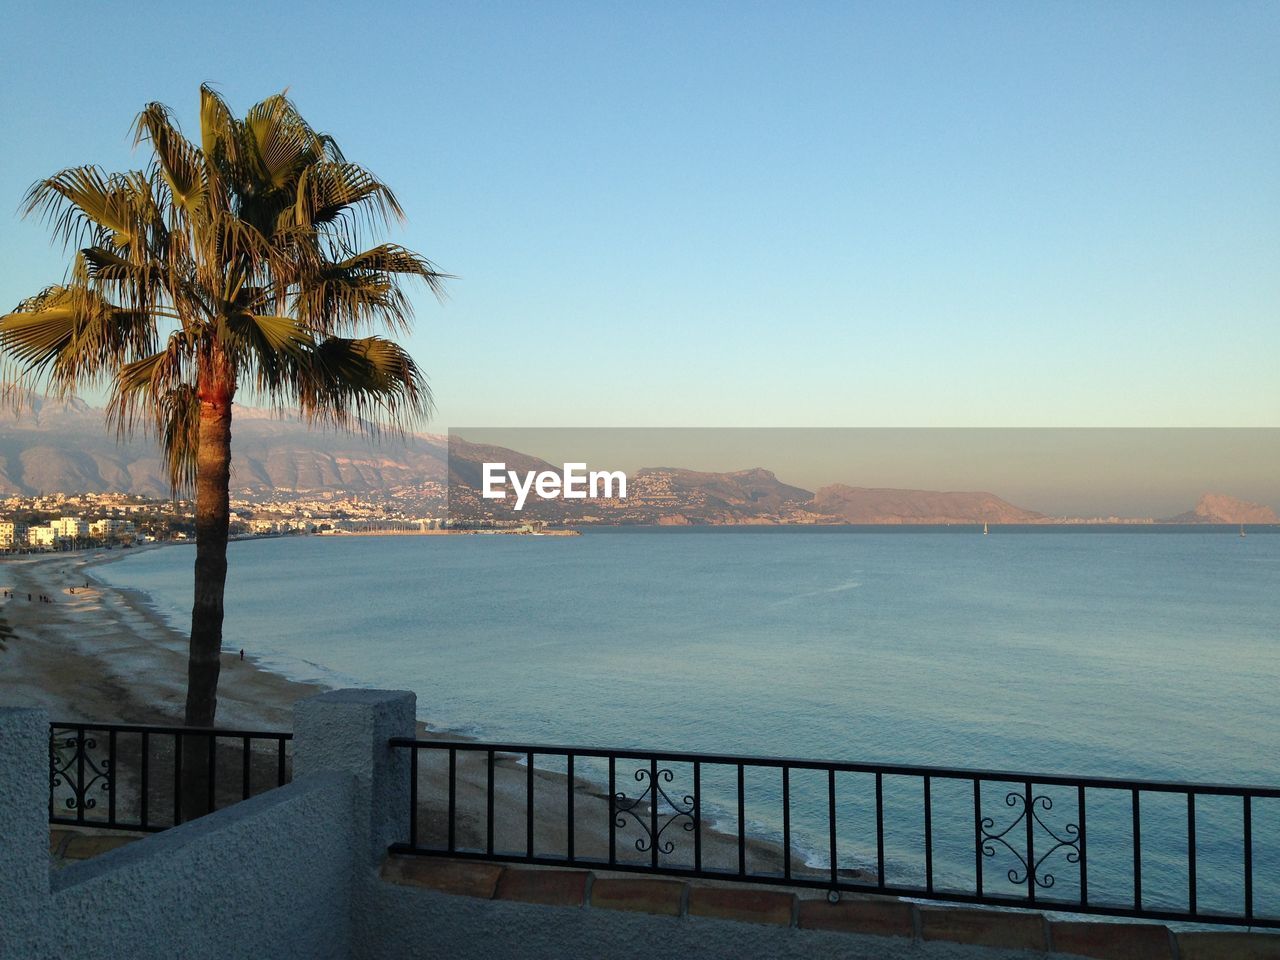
<point>213,517</point>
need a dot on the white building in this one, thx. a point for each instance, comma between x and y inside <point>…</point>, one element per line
<point>110,527</point>
<point>69,528</point>
<point>12,534</point>
<point>45,536</point>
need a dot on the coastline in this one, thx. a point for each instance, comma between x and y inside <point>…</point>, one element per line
<point>104,654</point>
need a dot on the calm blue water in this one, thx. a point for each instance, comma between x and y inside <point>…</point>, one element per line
<point>1137,655</point>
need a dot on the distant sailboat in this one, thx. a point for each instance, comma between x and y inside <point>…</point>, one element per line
<point>985,531</point>
<point>1242,529</point>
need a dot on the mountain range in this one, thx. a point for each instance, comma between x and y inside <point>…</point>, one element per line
<point>880,505</point>
<point>56,445</point>
<point>65,445</point>
<point>1220,508</point>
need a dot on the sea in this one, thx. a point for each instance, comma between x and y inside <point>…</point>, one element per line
<point>1106,652</point>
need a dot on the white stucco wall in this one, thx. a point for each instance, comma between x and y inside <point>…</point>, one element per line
<point>268,877</point>
<point>293,873</point>
<point>407,923</point>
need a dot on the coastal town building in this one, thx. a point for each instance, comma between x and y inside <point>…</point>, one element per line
<point>111,528</point>
<point>282,512</point>
<point>45,536</point>
<point>12,534</point>
<point>15,534</point>
<point>69,528</point>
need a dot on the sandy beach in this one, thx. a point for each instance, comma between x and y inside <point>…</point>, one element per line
<point>99,653</point>
<point>104,654</point>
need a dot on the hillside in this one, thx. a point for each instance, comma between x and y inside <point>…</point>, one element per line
<point>745,492</point>
<point>66,445</point>
<point>1221,508</point>
<point>882,505</point>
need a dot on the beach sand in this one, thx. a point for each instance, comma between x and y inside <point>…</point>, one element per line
<point>103,654</point>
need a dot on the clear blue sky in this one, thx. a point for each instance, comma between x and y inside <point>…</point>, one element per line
<point>959,214</point>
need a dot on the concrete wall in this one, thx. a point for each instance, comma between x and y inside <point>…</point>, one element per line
<point>269,877</point>
<point>295,873</point>
<point>414,924</point>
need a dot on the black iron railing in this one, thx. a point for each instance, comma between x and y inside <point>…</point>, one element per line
<point>1135,848</point>
<point>133,777</point>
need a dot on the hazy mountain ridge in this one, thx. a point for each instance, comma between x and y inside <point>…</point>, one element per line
<point>467,459</point>
<point>66,445</point>
<point>1221,508</point>
<point>755,490</point>
<point>887,505</point>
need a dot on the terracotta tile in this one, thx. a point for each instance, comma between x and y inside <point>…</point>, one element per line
<point>664,897</point>
<point>83,846</point>
<point>462,877</point>
<point>745,904</point>
<point>1113,941</point>
<point>988,928</point>
<point>56,839</point>
<point>555,887</point>
<point>881,918</point>
<point>1229,946</point>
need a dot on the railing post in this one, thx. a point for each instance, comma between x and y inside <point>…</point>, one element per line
<point>24,813</point>
<point>350,731</point>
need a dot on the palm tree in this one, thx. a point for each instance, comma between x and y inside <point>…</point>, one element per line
<point>232,264</point>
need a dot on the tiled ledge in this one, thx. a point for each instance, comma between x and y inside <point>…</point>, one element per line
<point>78,844</point>
<point>881,917</point>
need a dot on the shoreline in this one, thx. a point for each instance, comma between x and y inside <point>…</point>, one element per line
<point>105,654</point>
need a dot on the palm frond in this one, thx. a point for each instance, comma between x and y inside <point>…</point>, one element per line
<point>391,258</point>
<point>149,376</point>
<point>280,143</point>
<point>348,301</point>
<point>72,335</point>
<point>137,285</point>
<point>178,424</point>
<point>263,345</point>
<point>181,162</point>
<point>219,133</point>
<point>84,201</point>
<point>364,290</point>
<point>328,191</point>
<point>370,385</point>
<point>158,390</point>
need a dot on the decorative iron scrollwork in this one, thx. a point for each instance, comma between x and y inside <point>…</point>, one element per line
<point>66,751</point>
<point>1020,874</point>
<point>686,811</point>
